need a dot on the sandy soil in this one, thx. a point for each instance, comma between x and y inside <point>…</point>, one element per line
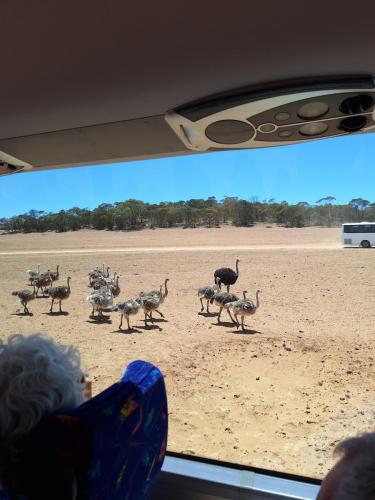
<point>279,396</point>
<point>228,236</point>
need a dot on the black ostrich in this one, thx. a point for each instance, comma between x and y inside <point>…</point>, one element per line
<point>227,276</point>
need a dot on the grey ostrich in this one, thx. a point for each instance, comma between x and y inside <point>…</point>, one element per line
<point>208,292</point>
<point>243,307</point>
<point>222,298</point>
<point>98,272</point>
<point>33,273</point>
<point>149,304</point>
<point>59,293</point>
<point>101,281</point>
<point>126,309</point>
<point>55,274</point>
<point>25,297</point>
<point>158,295</point>
<point>116,287</point>
<point>159,292</point>
<point>227,276</point>
<point>100,299</point>
<point>42,282</point>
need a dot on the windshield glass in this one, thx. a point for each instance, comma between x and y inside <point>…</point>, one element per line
<point>280,377</point>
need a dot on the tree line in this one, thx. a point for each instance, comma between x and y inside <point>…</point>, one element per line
<point>130,215</point>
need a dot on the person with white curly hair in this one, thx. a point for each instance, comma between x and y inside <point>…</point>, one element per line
<point>38,377</point>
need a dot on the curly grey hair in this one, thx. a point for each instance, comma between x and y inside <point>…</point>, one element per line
<point>359,483</point>
<point>37,376</point>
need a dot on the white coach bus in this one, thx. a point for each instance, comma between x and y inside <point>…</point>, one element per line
<point>359,234</point>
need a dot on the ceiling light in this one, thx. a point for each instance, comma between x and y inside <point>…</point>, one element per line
<point>229,132</point>
<point>311,129</point>
<point>285,133</point>
<point>282,116</point>
<point>313,110</point>
<point>267,128</point>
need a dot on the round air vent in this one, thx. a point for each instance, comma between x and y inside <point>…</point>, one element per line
<point>353,124</point>
<point>7,168</point>
<point>229,132</point>
<point>356,104</point>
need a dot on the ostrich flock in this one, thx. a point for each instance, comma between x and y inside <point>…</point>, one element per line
<point>106,288</point>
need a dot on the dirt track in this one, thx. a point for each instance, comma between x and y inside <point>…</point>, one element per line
<point>278,396</point>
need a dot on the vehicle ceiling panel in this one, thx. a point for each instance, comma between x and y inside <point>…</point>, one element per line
<point>70,64</point>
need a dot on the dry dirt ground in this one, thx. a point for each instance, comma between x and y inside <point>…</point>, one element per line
<point>279,396</point>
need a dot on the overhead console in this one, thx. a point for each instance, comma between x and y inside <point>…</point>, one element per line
<point>276,115</point>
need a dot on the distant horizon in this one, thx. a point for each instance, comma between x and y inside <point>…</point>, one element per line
<point>254,200</point>
<point>306,172</point>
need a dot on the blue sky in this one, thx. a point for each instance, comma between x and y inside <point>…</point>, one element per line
<point>340,167</point>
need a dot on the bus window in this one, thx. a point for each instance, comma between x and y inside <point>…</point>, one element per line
<point>276,380</point>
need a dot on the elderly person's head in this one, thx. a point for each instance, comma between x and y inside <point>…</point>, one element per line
<point>353,476</point>
<point>37,377</point>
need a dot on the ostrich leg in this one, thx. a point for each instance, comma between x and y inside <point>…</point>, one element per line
<point>120,325</point>
<point>231,317</point>
<point>218,317</point>
<point>243,328</point>
<point>202,308</point>
<point>208,309</point>
<point>237,323</point>
<point>50,309</point>
<point>127,319</point>
<point>228,286</point>
<point>161,314</point>
<point>60,305</point>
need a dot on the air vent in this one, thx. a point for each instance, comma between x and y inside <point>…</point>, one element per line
<point>8,168</point>
<point>11,165</point>
<point>278,115</point>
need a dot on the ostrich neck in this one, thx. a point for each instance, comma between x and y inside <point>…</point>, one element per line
<point>237,270</point>
<point>257,297</point>
<point>244,295</point>
<point>165,288</point>
<point>69,284</point>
